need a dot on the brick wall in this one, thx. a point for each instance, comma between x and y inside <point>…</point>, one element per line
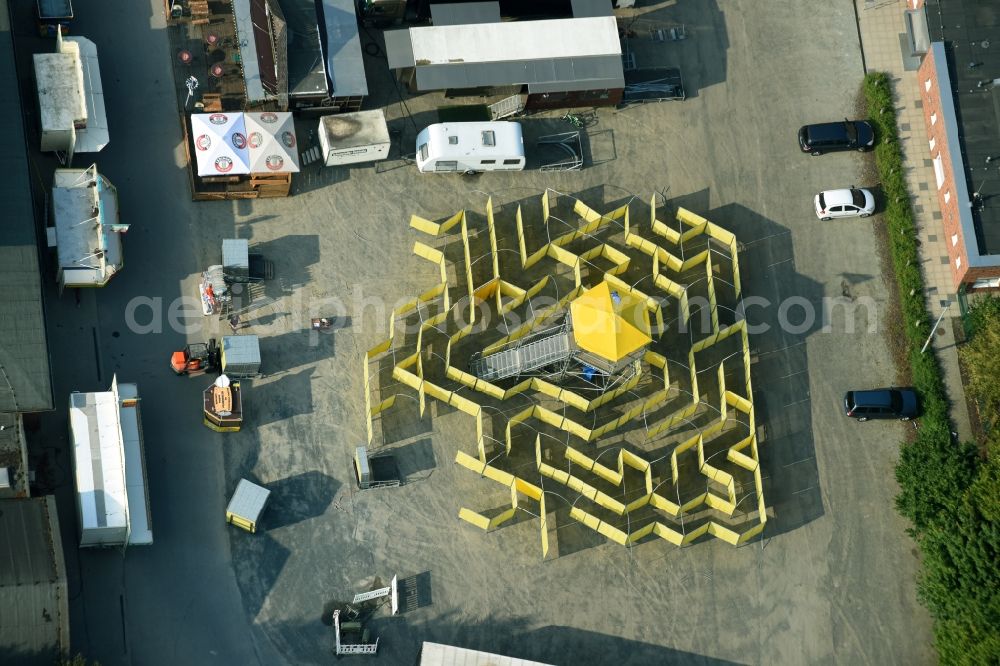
<point>930,92</point>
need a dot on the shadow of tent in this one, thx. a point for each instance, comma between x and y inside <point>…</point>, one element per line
<point>553,640</point>
<point>262,559</point>
<point>512,637</point>
<point>781,374</point>
<point>702,60</point>
<point>292,256</point>
<point>297,498</point>
<point>289,396</point>
<point>412,458</point>
<point>296,348</point>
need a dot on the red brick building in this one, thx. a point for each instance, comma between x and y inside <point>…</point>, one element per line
<point>959,80</point>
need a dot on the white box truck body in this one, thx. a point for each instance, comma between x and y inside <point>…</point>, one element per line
<point>349,138</point>
<point>471,147</point>
<point>110,467</point>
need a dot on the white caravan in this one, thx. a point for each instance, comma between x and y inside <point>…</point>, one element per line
<point>470,147</point>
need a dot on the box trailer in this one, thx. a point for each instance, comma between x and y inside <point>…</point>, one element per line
<point>71,111</point>
<point>240,356</point>
<point>246,505</point>
<point>109,466</point>
<point>349,138</point>
<point>471,147</point>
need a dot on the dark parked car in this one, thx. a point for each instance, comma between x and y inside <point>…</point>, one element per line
<point>833,137</point>
<point>884,403</point>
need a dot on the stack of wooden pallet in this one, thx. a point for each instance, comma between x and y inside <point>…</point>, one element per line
<point>199,11</point>
<point>271,185</point>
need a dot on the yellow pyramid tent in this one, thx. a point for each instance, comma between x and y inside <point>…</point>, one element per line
<point>608,323</point>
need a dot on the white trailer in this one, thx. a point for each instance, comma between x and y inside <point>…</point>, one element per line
<point>349,138</point>
<point>71,98</point>
<point>110,468</point>
<point>471,147</point>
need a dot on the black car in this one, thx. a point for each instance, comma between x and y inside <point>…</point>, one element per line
<point>884,403</point>
<point>832,137</point>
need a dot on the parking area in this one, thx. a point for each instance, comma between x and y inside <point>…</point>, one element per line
<point>833,577</point>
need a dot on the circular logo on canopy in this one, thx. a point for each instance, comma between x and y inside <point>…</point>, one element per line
<point>288,139</point>
<point>218,119</point>
<point>274,162</point>
<point>269,117</point>
<point>223,164</point>
<point>239,141</point>
<point>256,139</point>
<point>203,142</point>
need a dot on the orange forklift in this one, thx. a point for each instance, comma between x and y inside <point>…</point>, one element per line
<point>196,359</point>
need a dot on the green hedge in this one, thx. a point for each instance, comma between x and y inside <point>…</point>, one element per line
<point>921,497</point>
<point>942,482</point>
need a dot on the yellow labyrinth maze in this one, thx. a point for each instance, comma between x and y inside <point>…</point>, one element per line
<point>602,360</point>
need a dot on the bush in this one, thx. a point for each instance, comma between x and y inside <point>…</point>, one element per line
<point>951,498</point>
<point>982,358</point>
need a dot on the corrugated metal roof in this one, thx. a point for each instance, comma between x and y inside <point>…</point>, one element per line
<point>236,253</point>
<point>398,48</point>
<point>248,500</point>
<point>34,621</point>
<point>465,13</point>
<point>306,70</point>
<point>585,8</point>
<point>53,8</point>
<point>554,75</point>
<point>345,64</point>
<point>253,27</point>
<point>109,466</point>
<point>551,56</point>
<point>25,383</point>
<point>516,40</point>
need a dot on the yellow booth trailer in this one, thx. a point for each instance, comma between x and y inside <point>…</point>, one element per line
<point>223,405</point>
<point>247,504</point>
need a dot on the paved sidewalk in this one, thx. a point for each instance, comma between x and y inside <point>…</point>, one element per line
<point>880,26</point>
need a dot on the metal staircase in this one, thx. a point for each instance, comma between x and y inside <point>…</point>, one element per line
<point>523,358</point>
<point>507,107</point>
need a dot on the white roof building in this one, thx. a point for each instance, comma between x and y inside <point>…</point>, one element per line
<point>71,98</point>
<point>524,40</point>
<point>110,468</point>
<point>86,231</point>
<point>553,55</point>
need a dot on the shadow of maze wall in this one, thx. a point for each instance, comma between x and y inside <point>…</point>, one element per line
<point>669,451</point>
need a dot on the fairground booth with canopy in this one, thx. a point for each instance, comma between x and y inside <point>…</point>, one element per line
<point>242,155</point>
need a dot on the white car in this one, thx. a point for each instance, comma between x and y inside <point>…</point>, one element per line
<point>844,203</point>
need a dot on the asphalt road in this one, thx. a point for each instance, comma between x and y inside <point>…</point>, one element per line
<point>831,581</point>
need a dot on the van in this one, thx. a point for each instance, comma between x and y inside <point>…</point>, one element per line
<point>882,403</point>
<point>471,147</point>
<point>833,137</point>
